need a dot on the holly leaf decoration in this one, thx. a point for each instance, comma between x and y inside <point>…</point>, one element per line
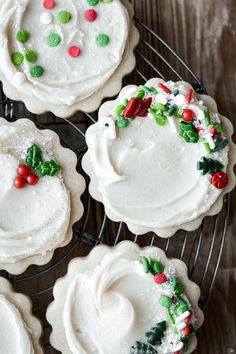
<point>142,348</point>
<point>151,266</point>
<point>33,157</point>
<point>188,132</point>
<point>48,168</point>
<point>209,165</point>
<point>155,335</point>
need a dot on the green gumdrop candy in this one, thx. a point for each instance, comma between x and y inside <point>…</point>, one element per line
<point>122,123</point>
<point>102,40</point>
<point>17,58</point>
<point>30,56</point>
<point>160,119</point>
<point>64,17</point>
<point>22,36</point>
<point>165,301</point>
<point>36,71</point>
<point>119,109</point>
<point>159,107</point>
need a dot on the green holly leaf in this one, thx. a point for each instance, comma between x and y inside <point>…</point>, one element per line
<point>207,165</point>
<point>48,168</point>
<point>33,157</point>
<point>142,348</point>
<point>188,132</point>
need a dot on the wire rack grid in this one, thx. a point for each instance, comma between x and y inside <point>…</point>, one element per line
<point>200,249</point>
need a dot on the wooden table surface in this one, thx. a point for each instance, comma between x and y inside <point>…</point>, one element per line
<point>203,33</point>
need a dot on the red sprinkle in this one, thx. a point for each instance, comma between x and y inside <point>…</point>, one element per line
<point>48,4</point>
<point>219,179</point>
<point>145,104</point>
<point>133,106</point>
<point>186,331</point>
<point>90,15</point>
<point>212,131</point>
<point>23,170</point>
<point>160,278</point>
<point>174,300</point>
<point>199,129</point>
<point>187,319</point>
<point>163,87</point>
<point>176,352</point>
<point>19,182</point>
<point>32,179</point>
<point>188,96</point>
<point>74,51</point>
<point>187,115</point>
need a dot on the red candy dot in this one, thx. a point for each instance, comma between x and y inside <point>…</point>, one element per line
<point>32,179</point>
<point>90,15</point>
<point>219,179</point>
<point>187,115</point>
<point>186,331</point>
<point>160,278</point>
<point>23,170</point>
<point>74,51</point>
<point>19,182</point>
<point>48,4</point>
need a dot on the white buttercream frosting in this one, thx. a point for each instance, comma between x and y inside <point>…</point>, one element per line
<point>33,220</point>
<point>110,307</point>
<point>66,80</point>
<point>147,176</point>
<point>14,334</point>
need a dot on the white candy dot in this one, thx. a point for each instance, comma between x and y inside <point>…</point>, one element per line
<point>180,100</point>
<point>46,18</point>
<point>19,78</point>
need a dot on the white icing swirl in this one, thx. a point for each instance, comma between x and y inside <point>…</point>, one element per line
<point>14,335</point>
<point>66,80</point>
<point>34,220</point>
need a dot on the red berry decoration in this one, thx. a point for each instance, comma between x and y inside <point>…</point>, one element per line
<point>160,278</point>
<point>133,106</point>
<point>23,170</point>
<point>145,104</point>
<point>187,319</point>
<point>163,87</point>
<point>187,115</point>
<point>90,15</point>
<point>186,331</point>
<point>32,179</point>
<point>19,182</point>
<point>219,179</point>
<point>74,51</point>
<point>48,4</point>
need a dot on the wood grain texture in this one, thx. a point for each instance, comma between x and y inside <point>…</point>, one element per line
<point>203,33</point>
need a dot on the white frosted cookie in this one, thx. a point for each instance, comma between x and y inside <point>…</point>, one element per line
<point>125,300</point>
<point>160,157</point>
<point>19,330</point>
<point>39,195</point>
<point>63,56</point>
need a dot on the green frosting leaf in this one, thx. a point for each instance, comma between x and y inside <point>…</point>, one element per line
<point>33,157</point>
<point>48,168</point>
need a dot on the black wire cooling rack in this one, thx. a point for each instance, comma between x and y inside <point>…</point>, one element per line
<point>201,250</point>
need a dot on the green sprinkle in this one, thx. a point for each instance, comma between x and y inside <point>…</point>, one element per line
<point>159,107</point>
<point>92,2</point>
<point>192,334</point>
<point>31,56</point>
<point>179,309</point>
<point>122,123</point>
<point>171,110</point>
<point>64,17</point>
<point>145,263</point>
<point>17,58</point>
<point>119,109</point>
<point>175,331</point>
<point>106,1</point>
<point>218,127</point>
<point>158,267</point>
<point>207,147</point>
<point>102,40</point>
<point>176,92</point>
<point>178,113</point>
<point>53,40</point>
<point>207,116</point>
<point>221,146</point>
<point>22,36</point>
<point>169,316</point>
<point>36,71</point>
<point>185,348</point>
<point>152,111</point>
<point>165,301</point>
<point>126,101</point>
<point>160,119</point>
<point>139,94</point>
<point>153,90</point>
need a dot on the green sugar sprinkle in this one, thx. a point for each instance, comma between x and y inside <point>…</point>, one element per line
<point>64,16</point>
<point>31,56</point>
<point>53,40</point>
<point>92,2</point>
<point>36,71</point>
<point>22,35</point>
<point>102,40</point>
<point>17,58</point>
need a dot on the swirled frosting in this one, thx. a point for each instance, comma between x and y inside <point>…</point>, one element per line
<point>14,334</point>
<point>33,220</point>
<point>113,305</point>
<point>145,174</point>
<point>66,80</point>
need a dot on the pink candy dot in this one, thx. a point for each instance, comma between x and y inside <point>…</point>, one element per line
<point>90,15</point>
<point>74,51</point>
<point>48,4</point>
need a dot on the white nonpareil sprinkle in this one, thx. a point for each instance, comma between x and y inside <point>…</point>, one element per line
<point>19,78</point>
<point>46,18</point>
<point>180,100</point>
<point>171,120</point>
<point>182,317</point>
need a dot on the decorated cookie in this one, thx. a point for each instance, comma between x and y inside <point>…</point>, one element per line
<point>126,298</point>
<point>19,330</point>
<point>39,195</point>
<point>160,157</point>
<point>62,56</point>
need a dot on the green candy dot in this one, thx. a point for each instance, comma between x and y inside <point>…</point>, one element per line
<point>118,110</point>
<point>31,56</point>
<point>165,301</point>
<point>53,40</point>
<point>17,58</point>
<point>64,17</point>
<point>160,119</point>
<point>92,2</point>
<point>159,107</point>
<point>22,36</point>
<point>102,40</point>
<point>122,123</point>
<point>36,71</point>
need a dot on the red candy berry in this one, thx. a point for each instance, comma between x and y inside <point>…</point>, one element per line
<point>163,87</point>
<point>160,278</point>
<point>187,319</point>
<point>19,182</point>
<point>32,179</point>
<point>219,179</point>
<point>187,115</point>
<point>186,331</point>
<point>48,4</point>
<point>90,15</point>
<point>23,170</point>
<point>74,51</point>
